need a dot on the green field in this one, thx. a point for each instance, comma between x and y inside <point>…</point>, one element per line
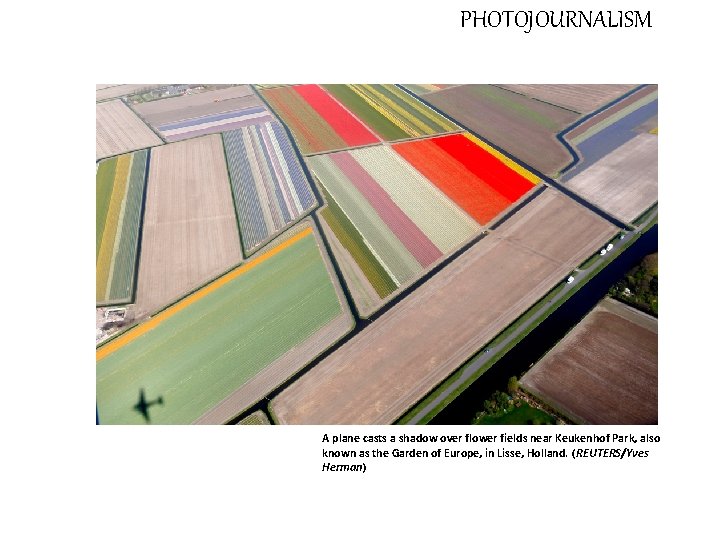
<point>104,180</point>
<point>119,186</point>
<point>351,240</point>
<point>199,355</point>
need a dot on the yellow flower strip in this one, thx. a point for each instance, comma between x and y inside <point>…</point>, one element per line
<point>419,126</point>
<point>422,109</point>
<point>145,327</point>
<point>102,268</point>
<point>383,111</point>
<point>522,171</point>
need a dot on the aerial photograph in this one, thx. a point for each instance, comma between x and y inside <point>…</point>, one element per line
<point>448,254</point>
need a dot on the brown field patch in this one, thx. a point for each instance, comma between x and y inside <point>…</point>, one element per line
<point>522,126</point>
<point>190,233</point>
<point>582,98</point>
<point>380,373</point>
<point>625,182</point>
<point>110,91</point>
<point>118,130</point>
<point>162,111</point>
<point>604,371</point>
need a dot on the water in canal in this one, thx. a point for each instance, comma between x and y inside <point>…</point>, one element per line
<point>463,409</point>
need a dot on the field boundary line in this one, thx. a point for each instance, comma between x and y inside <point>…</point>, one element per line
<point>569,147</point>
<point>143,328</point>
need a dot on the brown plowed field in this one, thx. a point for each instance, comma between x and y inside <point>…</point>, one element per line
<point>522,126</point>
<point>118,130</point>
<point>625,182</point>
<point>582,98</point>
<point>190,233</point>
<point>384,370</point>
<point>163,111</point>
<point>605,371</point>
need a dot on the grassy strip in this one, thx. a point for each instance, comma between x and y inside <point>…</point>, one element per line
<point>104,181</point>
<point>595,256</point>
<point>646,214</point>
<point>500,337</point>
<point>367,114</point>
<point>351,240</point>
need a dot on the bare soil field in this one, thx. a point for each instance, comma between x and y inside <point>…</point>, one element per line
<point>605,371</point>
<point>625,182</point>
<point>581,98</point>
<point>380,373</point>
<point>190,232</point>
<point>118,130</point>
<point>163,111</point>
<point>110,91</point>
<point>522,126</point>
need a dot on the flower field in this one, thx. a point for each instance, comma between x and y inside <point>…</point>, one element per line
<point>318,122</point>
<point>389,111</point>
<point>479,179</point>
<point>213,123</point>
<point>270,188</point>
<point>392,221</point>
<point>120,182</point>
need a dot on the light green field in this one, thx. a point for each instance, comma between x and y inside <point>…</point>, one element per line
<point>201,354</point>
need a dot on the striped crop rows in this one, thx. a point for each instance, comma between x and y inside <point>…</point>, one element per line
<point>394,223</point>
<point>213,123</point>
<point>120,183</point>
<point>389,111</point>
<point>317,120</point>
<point>270,188</point>
<point>478,178</point>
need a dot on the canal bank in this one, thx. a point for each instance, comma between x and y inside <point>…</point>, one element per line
<point>465,378</point>
<point>541,339</point>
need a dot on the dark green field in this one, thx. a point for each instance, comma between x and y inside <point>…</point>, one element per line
<point>524,414</point>
<point>351,240</point>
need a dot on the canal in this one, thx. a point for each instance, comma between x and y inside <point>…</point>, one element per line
<point>463,409</point>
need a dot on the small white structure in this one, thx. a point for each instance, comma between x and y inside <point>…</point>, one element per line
<point>570,279</point>
<point>603,251</point>
<point>609,247</point>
